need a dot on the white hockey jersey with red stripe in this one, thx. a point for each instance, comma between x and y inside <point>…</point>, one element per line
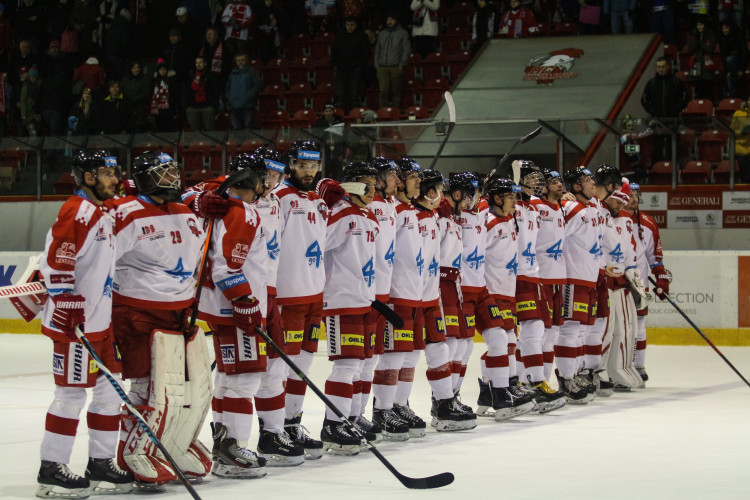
<point>79,258</point>
<point>451,244</point>
<point>385,246</point>
<point>408,263</point>
<point>527,218</point>
<point>502,255</point>
<point>623,255</point>
<point>428,228</point>
<point>550,242</point>
<point>607,236</point>
<point>158,250</point>
<point>474,239</point>
<point>302,242</point>
<point>237,18</point>
<point>582,251</point>
<point>648,246</point>
<point>237,263</point>
<point>269,210</point>
<point>350,260</point>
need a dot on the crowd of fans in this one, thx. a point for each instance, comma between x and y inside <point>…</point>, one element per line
<point>111,66</point>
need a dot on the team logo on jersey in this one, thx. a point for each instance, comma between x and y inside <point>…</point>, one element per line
<point>149,232</point>
<point>555,65</point>
<point>179,272</point>
<point>434,268</point>
<point>194,227</point>
<point>66,254</point>
<point>323,209</point>
<point>273,247</point>
<point>227,354</point>
<point>58,364</point>
<point>239,252</point>
<point>108,287</point>
<point>420,262</point>
<point>353,229</point>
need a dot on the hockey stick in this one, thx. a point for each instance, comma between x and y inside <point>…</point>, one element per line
<point>522,140</point>
<point>134,411</point>
<point>451,123</point>
<point>701,334</point>
<point>19,290</point>
<point>389,314</point>
<point>420,483</point>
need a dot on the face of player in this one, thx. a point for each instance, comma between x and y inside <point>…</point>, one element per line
<point>614,205</point>
<point>304,171</point>
<point>411,185</point>
<point>505,202</point>
<point>104,182</point>
<point>273,178</point>
<point>391,183</point>
<point>635,197</point>
<point>433,197</point>
<point>370,182</point>
<point>554,189</point>
<point>588,186</point>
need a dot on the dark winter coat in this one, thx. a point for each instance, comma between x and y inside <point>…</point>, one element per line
<point>350,50</point>
<point>115,115</point>
<point>664,96</point>
<point>137,90</point>
<point>211,88</point>
<point>243,87</point>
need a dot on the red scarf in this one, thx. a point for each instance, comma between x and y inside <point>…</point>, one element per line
<point>160,97</point>
<point>198,87</point>
<point>215,58</point>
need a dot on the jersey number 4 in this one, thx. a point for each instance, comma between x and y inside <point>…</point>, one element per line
<point>313,254</point>
<point>555,251</point>
<point>616,254</point>
<point>368,272</point>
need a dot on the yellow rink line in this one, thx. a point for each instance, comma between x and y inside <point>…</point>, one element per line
<point>655,336</point>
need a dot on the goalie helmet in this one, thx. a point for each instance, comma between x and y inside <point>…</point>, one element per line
<point>607,174</point>
<point>574,176</point>
<point>356,170</point>
<point>91,161</point>
<point>431,179</point>
<point>255,164</point>
<point>157,174</point>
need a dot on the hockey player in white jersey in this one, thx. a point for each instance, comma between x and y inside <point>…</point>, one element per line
<point>78,266</point>
<point>447,413</point>
<point>531,304</point>
<point>301,276</point>
<point>649,256</point>
<point>496,390</point>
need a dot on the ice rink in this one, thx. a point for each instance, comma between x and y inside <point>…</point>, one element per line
<point>686,436</point>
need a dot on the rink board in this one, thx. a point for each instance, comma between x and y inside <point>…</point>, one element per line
<point>711,287</point>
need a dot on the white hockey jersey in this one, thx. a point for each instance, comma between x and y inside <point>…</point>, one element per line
<point>428,228</point>
<point>269,210</point>
<point>408,263</point>
<point>502,256</point>
<point>158,249</point>
<point>648,246</point>
<point>622,256</point>
<point>79,257</point>
<point>350,260</point>
<point>474,239</point>
<point>385,246</point>
<point>302,240</point>
<point>550,242</point>
<point>582,251</point>
<point>527,218</point>
<point>451,244</point>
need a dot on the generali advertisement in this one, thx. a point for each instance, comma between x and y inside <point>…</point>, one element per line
<point>698,207</point>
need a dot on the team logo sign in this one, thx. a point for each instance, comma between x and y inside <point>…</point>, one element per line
<point>555,65</point>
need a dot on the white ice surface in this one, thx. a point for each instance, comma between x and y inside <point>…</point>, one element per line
<point>687,436</point>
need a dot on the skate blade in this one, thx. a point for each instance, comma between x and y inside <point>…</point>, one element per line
<point>313,453</point>
<point>143,487</point>
<point>273,460</point>
<point>580,402</point>
<point>485,411</point>
<point>604,393</point>
<point>551,406</point>
<point>454,425</point>
<point>347,450</point>
<point>107,488</point>
<point>236,472</point>
<point>395,436</point>
<point>51,491</point>
<point>417,433</point>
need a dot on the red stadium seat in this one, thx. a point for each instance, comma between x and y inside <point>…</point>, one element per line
<point>322,95</point>
<point>299,96</point>
<point>299,71</point>
<point>277,119</point>
<point>712,145</point>
<point>432,92</point>
<point>354,115</point>
<point>454,40</point>
<point>271,99</point>
<point>697,114</point>
<point>696,172</point>
<point>661,173</point>
<point>435,65</point>
<point>388,114</point>
<point>419,112</point>
<point>726,108</point>
<point>322,72</point>
<point>457,64</point>
<point>276,72</point>
<point>303,118</point>
<point>721,174</point>
<point>296,47</point>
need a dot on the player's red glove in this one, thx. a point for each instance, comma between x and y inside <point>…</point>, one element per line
<point>68,313</point>
<point>444,209</point>
<point>128,188</point>
<point>663,278</point>
<point>331,191</point>
<point>246,313</point>
<point>209,205</point>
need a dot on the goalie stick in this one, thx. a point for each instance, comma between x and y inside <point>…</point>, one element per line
<point>421,483</point>
<point>22,289</point>
<point>522,140</point>
<point>451,123</point>
<point>389,314</point>
<point>668,299</point>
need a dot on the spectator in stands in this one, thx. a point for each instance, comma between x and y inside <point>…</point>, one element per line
<point>84,117</point>
<point>164,98</point>
<point>201,97</point>
<point>216,54</point>
<point>318,13</point>
<point>518,22</point>
<point>117,44</point>
<point>268,32</point>
<point>392,51</point>
<point>89,75</point>
<point>108,12</point>
<point>190,32</point>
<point>28,103</point>
<point>353,8</point>
<point>57,16</point>
<point>6,37</point>
<point>741,127</point>
<point>732,11</point>
<point>293,18</point>
<point>620,15</point>
<point>425,26</point>
<point>215,20</point>
<point>483,23</point>
<point>663,97</point>
<point>55,97</point>
<point>20,62</point>
<point>178,56</point>
<point>397,8</point>
<point>661,19</point>
<point>360,142</point>
<point>116,116</point>
<point>237,18</point>
<point>349,56</point>
<point>29,23</point>
<point>333,139</point>
<point>242,89</point>
<point>734,53</point>
<point>83,17</point>
<point>136,90</point>
<point>701,44</point>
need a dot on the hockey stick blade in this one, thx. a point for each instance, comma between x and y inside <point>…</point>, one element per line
<point>388,313</point>
<point>451,123</point>
<point>695,327</point>
<point>419,483</point>
<point>22,289</point>
<point>523,140</point>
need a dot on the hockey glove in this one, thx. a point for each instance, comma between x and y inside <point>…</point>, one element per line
<point>444,209</point>
<point>331,191</point>
<point>68,313</point>
<point>663,278</point>
<point>636,287</point>
<point>246,313</point>
<point>209,205</point>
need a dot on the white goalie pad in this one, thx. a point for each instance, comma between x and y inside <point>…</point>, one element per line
<point>622,329</point>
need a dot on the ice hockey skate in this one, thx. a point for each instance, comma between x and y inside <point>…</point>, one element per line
<point>108,479</point>
<point>394,428</point>
<point>57,481</point>
<point>448,416</point>
<point>604,386</point>
<point>585,380</point>
<point>644,376</point>
<point>235,462</point>
<point>501,403</point>
<point>547,399</point>
<point>372,432</point>
<point>573,393</point>
<point>338,440</point>
<point>279,450</point>
<point>417,426</point>
<point>297,432</point>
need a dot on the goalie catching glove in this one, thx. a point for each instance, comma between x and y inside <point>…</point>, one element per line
<point>636,287</point>
<point>68,313</point>
<point>246,313</point>
<point>663,279</point>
